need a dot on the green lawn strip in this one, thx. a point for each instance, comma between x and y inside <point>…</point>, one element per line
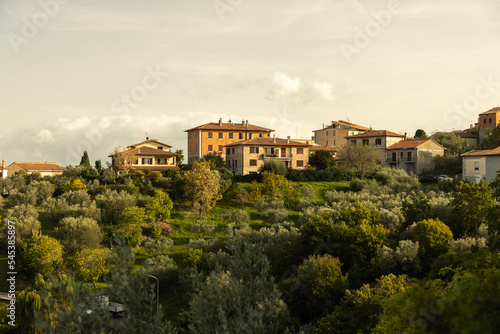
<point>322,186</point>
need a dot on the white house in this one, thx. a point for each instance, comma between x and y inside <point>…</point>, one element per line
<point>481,165</point>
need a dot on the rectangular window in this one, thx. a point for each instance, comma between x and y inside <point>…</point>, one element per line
<point>401,155</point>
<point>220,148</point>
<point>210,148</point>
<point>476,165</point>
<point>253,162</point>
<point>327,133</point>
<point>210,135</point>
<point>232,150</point>
<point>254,150</point>
<point>490,120</point>
<point>300,150</point>
<point>221,135</point>
<point>334,142</point>
<point>230,135</point>
<point>334,132</point>
<point>160,148</point>
<point>378,141</point>
<point>241,135</point>
<point>228,151</point>
<point>366,141</point>
<point>393,156</point>
<point>485,121</point>
<point>409,156</point>
<point>300,163</point>
<point>250,135</point>
<point>353,141</point>
<point>147,161</point>
<point>235,163</point>
<point>260,134</point>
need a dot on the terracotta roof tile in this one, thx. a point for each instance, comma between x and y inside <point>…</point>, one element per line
<point>491,111</point>
<point>376,133</point>
<point>38,166</point>
<point>145,150</point>
<point>150,141</point>
<point>230,127</point>
<point>466,134</point>
<point>269,142</point>
<point>495,151</point>
<point>411,143</point>
<point>355,126</point>
<point>322,148</point>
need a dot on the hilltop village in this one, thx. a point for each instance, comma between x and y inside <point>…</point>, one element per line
<point>356,230</point>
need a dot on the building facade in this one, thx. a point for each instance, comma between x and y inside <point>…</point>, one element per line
<point>481,165</point>
<point>334,134</point>
<point>246,157</point>
<point>488,120</point>
<point>150,154</point>
<point>29,167</point>
<point>379,139</point>
<point>415,156</point>
<point>212,137</point>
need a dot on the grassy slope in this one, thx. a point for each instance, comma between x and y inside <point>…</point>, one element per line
<point>173,297</point>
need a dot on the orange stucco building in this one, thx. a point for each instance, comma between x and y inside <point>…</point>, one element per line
<point>212,137</point>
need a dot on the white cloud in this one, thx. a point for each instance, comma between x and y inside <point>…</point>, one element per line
<point>325,89</point>
<point>44,136</point>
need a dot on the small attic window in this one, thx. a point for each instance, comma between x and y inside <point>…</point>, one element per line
<point>160,147</point>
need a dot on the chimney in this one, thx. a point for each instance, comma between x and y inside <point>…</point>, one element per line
<point>242,122</point>
<point>246,123</point>
<point>274,138</point>
<point>406,136</point>
<point>323,125</point>
<point>220,121</point>
<point>288,139</point>
<point>3,163</point>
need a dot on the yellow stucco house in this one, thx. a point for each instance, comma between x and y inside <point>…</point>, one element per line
<point>150,154</point>
<point>247,156</point>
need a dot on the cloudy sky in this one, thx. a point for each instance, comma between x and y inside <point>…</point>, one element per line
<point>90,75</point>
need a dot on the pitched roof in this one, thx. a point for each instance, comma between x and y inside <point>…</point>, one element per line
<point>352,125</point>
<point>411,143</point>
<point>466,134</point>
<point>376,133</point>
<point>495,151</point>
<point>146,150</point>
<point>38,166</point>
<point>491,111</point>
<point>356,126</point>
<point>147,141</point>
<point>322,148</point>
<point>269,142</point>
<point>230,127</point>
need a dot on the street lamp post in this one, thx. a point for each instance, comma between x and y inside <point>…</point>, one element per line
<point>157,294</point>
